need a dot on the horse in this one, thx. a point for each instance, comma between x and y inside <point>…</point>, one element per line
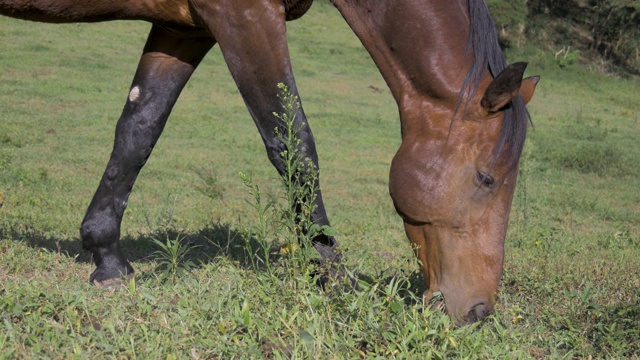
<point>462,112</point>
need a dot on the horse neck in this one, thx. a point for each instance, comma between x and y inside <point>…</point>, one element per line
<point>420,48</point>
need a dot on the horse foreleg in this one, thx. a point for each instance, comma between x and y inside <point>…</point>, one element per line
<point>252,36</point>
<point>166,64</point>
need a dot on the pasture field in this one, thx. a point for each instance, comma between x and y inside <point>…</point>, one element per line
<point>571,284</point>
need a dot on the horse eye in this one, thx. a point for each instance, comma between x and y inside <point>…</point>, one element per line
<point>485,180</point>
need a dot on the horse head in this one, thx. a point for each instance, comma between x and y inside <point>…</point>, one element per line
<point>453,186</point>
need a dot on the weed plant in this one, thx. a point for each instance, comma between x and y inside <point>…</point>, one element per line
<point>290,218</point>
<point>172,258</point>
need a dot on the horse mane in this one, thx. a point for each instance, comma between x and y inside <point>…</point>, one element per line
<point>487,55</point>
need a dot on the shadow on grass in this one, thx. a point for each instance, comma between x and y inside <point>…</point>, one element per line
<point>205,244</point>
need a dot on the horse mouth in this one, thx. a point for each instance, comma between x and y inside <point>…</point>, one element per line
<point>437,302</point>
<point>476,313</point>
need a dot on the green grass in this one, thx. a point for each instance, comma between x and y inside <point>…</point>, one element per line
<point>570,287</point>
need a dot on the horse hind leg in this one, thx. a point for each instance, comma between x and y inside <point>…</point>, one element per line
<point>166,65</point>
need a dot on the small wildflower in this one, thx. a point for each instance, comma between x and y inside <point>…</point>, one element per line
<point>289,249</point>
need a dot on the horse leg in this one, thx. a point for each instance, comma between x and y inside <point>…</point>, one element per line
<point>167,62</point>
<point>252,36</point>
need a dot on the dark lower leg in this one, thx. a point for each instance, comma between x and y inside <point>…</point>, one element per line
<point>253,40</point>
<point>166,65</point>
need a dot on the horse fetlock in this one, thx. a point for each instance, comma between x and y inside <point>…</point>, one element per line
<point>103,232</point>
<point>327,248</point>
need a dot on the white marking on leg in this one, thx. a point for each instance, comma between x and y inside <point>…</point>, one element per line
<point>134,93</point>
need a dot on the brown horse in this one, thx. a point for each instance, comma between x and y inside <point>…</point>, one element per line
<point>462,112</point>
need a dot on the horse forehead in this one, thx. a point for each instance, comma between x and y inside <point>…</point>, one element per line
<point>466,131</point>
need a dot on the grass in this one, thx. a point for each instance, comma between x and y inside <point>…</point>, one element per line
<point>570,286</point>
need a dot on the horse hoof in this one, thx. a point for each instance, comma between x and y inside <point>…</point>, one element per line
<point>337,279</point>
<point>114,283</point>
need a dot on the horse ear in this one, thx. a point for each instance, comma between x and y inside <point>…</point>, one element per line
<point>503,88</point>
<point>528,87</point>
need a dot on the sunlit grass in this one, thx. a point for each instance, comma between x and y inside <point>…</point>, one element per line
<point>570,287</point>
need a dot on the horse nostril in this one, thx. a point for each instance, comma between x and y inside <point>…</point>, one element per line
<point>478,312</point>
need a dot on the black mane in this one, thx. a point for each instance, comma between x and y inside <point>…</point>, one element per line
<point>483,41</point>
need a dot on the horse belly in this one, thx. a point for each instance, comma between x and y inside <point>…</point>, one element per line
<point>169,11</point>
<point>67,11</point>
